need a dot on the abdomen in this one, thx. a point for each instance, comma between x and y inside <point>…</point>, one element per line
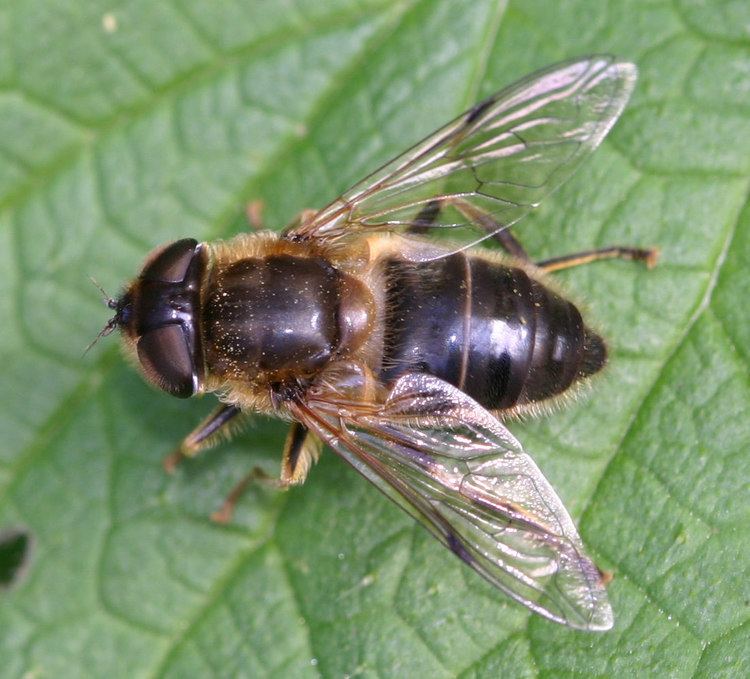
<point>486,327</point>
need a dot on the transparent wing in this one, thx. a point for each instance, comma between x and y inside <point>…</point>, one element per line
<point>453,466</point>
<point>499,159</point>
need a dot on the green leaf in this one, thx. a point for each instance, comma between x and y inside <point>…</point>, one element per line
<point>126,125</point>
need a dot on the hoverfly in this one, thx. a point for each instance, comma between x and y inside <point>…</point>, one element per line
<point>400,353</point>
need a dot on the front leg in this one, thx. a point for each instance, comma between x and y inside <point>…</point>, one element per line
<point>205,435</point>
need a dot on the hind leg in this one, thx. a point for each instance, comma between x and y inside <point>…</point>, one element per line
<point>648,255</point>
<point>427,216</point>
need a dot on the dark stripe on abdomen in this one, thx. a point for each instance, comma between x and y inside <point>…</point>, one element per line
<point>501,340</point>
<point>425,318</point>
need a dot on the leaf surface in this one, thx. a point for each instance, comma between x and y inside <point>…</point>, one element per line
<point>122,127</point>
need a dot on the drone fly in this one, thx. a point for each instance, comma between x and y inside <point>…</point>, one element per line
<point>403,354</point>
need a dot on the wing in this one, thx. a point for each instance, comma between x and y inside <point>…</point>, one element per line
<point>454,467</point>
<point>499,159</point>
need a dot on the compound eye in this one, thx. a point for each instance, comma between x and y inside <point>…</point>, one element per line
<point>166,360</point>
<point>170,264</point>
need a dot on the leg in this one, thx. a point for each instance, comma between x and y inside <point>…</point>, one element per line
<point>203,436</point>
<point>509,243</point>
<point>425,218</point>
<point>428,214</point>
<point>226,511</point>
<point>650,256</point>
<point>254,214</point>
<point>300,451</point>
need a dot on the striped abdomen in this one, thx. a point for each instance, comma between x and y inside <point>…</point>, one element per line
<point>487,328</point>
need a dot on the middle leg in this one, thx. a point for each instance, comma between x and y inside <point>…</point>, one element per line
<point>428,214</point>
<point>301,450</point>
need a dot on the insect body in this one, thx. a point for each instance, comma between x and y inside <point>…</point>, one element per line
<point>401,353</point>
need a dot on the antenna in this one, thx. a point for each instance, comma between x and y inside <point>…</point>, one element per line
<point>111,323</point>
<point>111,302</point>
